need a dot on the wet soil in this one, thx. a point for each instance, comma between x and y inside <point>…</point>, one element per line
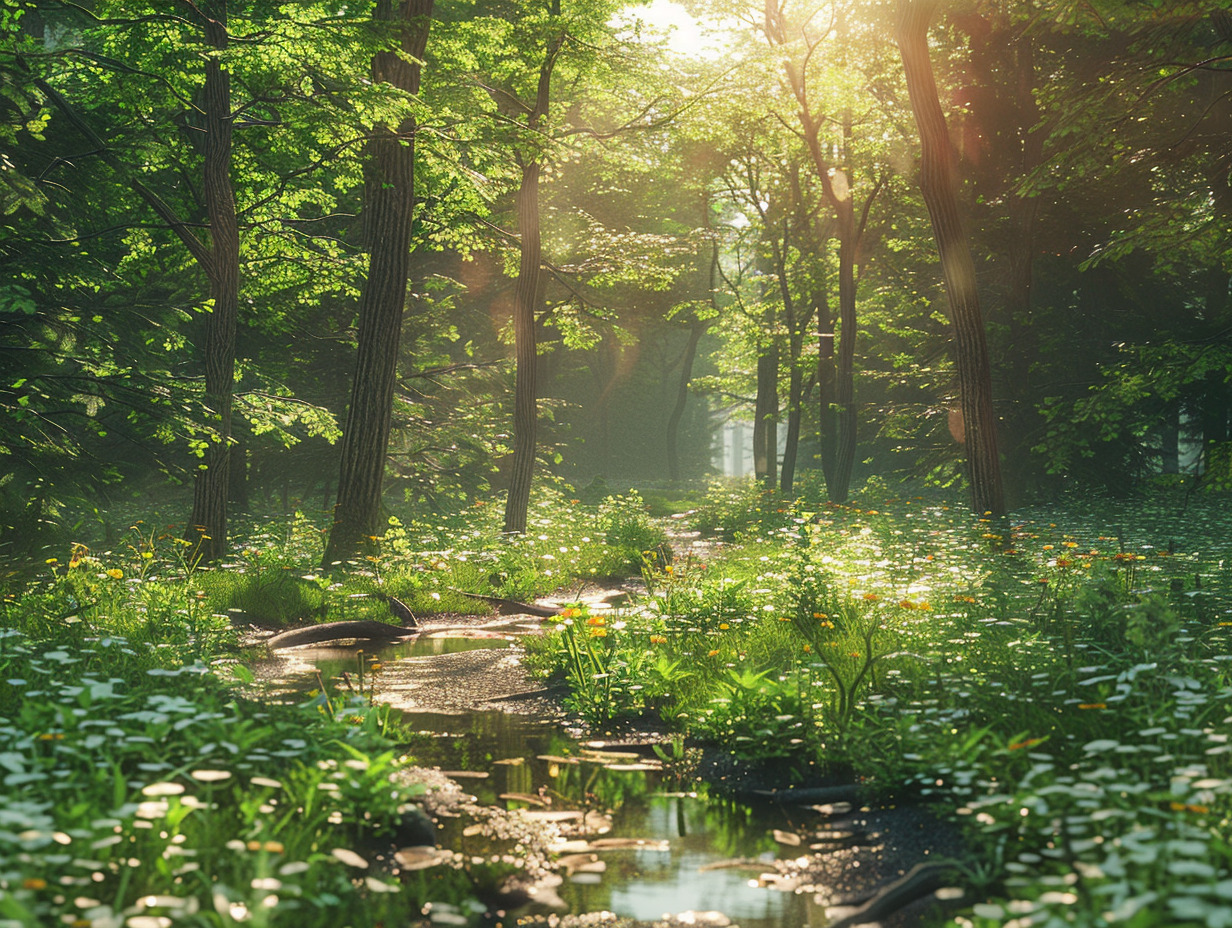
<point>464,664</point>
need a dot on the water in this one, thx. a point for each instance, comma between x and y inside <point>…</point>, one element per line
<point>496,754</point>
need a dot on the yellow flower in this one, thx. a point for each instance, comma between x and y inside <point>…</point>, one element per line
<point>871,597</point>
<point>820,615</point>
<point>34,883</point>
<point>658,639</point>
<point>598,633</point>
<point>907,604</point>
<point>115,573</point>
<point>596,621</point>
<point>571,613</point>
<point>713,653</point>
<point>808,649</point>
<point>723,626</point>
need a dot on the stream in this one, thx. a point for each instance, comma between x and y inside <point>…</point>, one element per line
<point>666,849</point>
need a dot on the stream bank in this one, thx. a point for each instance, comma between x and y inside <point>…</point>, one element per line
<point>605,832</point>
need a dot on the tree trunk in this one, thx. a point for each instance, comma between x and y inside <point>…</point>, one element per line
<point>526,300</point>
<point>795,399</point>
<point>525,409</point>
<point>827,435</point>
<point>389,202</point>
<point>207,526</point>
<point>766,418</point>
<point>845,452</point>
<point>939,187</point>
<point>696,330</point>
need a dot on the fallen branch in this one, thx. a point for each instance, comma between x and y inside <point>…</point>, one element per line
<point>364,630</point>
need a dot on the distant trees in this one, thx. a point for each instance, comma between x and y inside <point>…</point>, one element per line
<point>206,207</point>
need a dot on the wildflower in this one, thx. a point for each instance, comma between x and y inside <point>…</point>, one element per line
<point>871,597</point>
<point>964,599</point>
<point>723,626</point>
<point>1093,705</point>
<point>827,624</point>
<point>598,633</point>
<point>1063,562</point>
<point>907,604</point>
<point>34,883</point>
<point>713,653</point>
<point>926,607</point>
<point>1071,544</point>
<point>571,613</point>
<point>596,621</point>
<point>115,573</point>
<point>79,553</point>
<point>1188,807</point>
<point>658,639</point>
<point>1047,547</point>
<point>51,736</point>
<point>808,649</point>
<point>1019,745</point>
<point>819,615</point>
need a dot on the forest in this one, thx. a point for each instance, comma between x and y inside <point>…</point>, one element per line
<point>822,398</point>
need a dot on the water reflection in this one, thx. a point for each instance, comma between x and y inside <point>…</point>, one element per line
<point>516,761</point>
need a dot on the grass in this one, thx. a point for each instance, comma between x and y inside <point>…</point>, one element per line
<point>1061,682</point>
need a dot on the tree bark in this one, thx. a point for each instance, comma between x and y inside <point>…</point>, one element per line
<point>207,526</point>
<point>696,330</point>
<point>526,301</point>
<point>766,418</point>
<point>836,186</point>
<point>791,448</point>
<point>939,187</point>
<point>389,203</point>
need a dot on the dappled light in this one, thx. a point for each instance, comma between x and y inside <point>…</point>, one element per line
<point>565,463</point>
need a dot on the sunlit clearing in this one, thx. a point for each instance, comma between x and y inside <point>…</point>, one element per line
<point>685,34</point>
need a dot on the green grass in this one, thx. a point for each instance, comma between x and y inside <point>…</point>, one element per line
<point>1063,680</point>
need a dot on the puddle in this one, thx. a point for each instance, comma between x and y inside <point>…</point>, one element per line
<point>697,854</point>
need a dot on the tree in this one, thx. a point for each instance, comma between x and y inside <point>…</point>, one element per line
<point>389,206</point>
<point>938,183</point>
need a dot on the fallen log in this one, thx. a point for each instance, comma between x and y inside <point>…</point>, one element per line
<point>512,606</point>
<point>365,630</point>
<point>918,882</point>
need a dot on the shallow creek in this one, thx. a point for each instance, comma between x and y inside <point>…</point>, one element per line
<point>462,690</point>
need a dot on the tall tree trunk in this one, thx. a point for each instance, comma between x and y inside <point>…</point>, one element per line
<point>766,418</point>
<point>939,187</point>
<point>526,300</point>
<point>827,434</point>
<point>844,394</point>
<point>795,400</point>
<point>525,408</point>
<point>836,186</point>
<point>207,526</point>
<point>696,330</point>
<point>389,203</point>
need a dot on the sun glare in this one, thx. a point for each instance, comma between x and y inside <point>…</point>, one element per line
<point>685,34</point>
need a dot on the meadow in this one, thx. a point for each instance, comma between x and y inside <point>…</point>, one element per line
<point>1058,682</point>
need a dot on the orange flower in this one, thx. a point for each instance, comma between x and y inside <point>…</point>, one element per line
<point>871,597</point>
<point>596,621</point>
<point>658,639</point>
<point>571,613</point>
<point>713,653</point>
<point>808,649</point>
<point>907,604</point>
